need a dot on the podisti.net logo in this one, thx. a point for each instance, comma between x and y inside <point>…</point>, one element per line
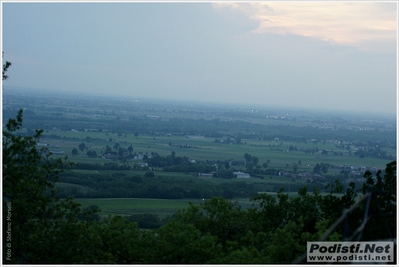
<point>351,252</point>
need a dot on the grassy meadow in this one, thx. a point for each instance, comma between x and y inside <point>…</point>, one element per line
<point>131,206</point>
<point>276,152</point>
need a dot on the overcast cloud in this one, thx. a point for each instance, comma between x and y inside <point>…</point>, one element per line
<point>335,55</point>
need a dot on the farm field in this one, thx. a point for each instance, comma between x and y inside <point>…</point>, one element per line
<point>276,152</point>
<point>130,206</point>
<point>161,207</point>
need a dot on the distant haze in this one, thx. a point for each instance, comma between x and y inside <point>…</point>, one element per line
<point>333,56</point>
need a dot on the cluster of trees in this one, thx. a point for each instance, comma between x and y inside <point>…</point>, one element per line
<point>117,151</point>
<point>222,169</point>
<point>91,154</point>
<point>146,220</point>
<point>251,161</point>
<point>173,163</point>
<point>322,167</point>
<point>158,161</point>
<point>373,153</point>
<point>98,166</point>
<point>229,141</point>
<point>150,185</point>
<point>49,230</point>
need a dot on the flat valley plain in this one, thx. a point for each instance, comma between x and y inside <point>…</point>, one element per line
<point>281,143</point>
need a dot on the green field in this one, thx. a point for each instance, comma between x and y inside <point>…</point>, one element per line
<point>268,184</point>
<point>276,152</point>
<point>130,206</point>
<point>161,207</point>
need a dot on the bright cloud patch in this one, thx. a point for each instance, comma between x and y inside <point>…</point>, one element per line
<point>368,25</point>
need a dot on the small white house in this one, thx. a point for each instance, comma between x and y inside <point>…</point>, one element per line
<point>41,144</point>
<point>241,174</point>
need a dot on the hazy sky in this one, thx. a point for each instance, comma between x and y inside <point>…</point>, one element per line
<point>329,55</point>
